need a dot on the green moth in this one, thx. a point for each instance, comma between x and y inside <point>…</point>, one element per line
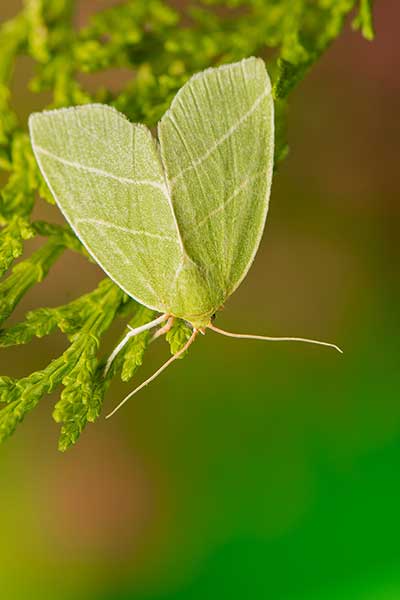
<point>175,222</point>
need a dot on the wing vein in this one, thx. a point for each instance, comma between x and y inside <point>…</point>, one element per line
<point>103,223</point>
<point>222,139</point>
<point>226,202</point>
<point>76,165</point>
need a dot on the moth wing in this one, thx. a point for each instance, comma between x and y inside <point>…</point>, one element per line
<point>217,145</point>
<point>107,178</point>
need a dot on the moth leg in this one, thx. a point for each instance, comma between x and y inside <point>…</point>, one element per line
<point>157,373</point>
<point>131,333</point>
<point>163,330</point>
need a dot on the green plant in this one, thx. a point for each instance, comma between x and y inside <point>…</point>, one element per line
<point>163,47</point>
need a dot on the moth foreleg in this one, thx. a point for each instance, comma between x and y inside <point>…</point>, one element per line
<point>131,333</point>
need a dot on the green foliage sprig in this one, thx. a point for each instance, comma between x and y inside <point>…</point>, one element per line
<point>162,48</point>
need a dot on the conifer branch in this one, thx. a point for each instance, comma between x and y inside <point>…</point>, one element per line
<point>148,38</point>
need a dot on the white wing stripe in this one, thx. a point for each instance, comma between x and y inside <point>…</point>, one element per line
<point>223,138</point>
<point>102,223</point>
<point>226,202</point>
<point>158,185</point>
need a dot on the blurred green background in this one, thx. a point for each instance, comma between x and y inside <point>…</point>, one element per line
<point>248,470</point>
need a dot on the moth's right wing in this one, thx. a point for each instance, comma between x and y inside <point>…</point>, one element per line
<point>106,177</point>
<point>217,145</point>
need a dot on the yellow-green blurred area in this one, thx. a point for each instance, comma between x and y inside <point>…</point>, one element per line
<point>248,470</point>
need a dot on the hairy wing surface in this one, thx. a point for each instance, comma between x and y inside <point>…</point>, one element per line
<point>107,178</point>
<point>217,143</point>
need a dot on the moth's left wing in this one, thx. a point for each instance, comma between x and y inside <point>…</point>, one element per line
<point>217,145</point>
<point>106,176</point>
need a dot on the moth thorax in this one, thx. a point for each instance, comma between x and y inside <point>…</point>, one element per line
<point>198,321</point>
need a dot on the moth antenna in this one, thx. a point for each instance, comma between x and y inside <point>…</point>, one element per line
<point>246,336</point>
<point>163,330</point>
<point>157,373</point>
<point>131,333</point>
